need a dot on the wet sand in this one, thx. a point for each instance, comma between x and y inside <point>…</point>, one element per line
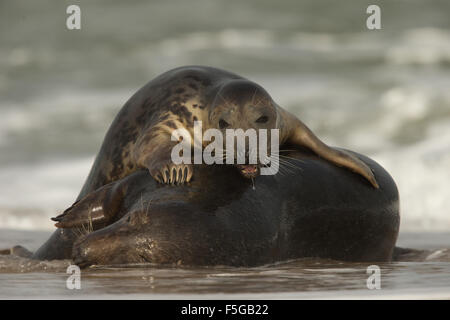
<point>301,279</point>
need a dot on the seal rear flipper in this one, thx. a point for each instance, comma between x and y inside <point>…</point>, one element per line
<point>297,133</point>
<point>96,210</point>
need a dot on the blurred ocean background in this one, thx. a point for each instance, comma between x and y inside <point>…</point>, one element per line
<point>385,93</point>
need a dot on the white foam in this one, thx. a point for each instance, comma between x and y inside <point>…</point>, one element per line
<point>43,111</point>
<point>422,174</point>
<point>223,39</point>
<point>30,195</point>
<point>423,46</point>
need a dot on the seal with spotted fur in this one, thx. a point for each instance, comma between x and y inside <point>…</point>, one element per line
<point>140,136</point>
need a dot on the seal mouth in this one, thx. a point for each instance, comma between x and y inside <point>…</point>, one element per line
<point>248,170</point>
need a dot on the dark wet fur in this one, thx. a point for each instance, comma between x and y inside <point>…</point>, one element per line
<point>323,211</point>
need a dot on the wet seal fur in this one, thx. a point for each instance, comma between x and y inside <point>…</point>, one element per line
<point>140,135</point>
<point>313,210</point>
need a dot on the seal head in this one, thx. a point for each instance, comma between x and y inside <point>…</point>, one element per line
<point>239,107</point>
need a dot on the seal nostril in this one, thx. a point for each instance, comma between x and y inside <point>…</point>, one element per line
<point>223,124</point>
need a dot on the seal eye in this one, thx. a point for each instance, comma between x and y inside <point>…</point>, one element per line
<point>262,119</point>
<point>223,124</point>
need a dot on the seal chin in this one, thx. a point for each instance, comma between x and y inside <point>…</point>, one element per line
<point>248,170</point>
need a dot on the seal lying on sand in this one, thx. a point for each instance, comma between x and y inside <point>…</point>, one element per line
<point>311,208</point>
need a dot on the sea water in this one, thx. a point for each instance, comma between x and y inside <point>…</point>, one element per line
<point>384,93</point>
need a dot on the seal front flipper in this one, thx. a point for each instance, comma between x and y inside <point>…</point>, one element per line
<point>164,170</point>
<point>97,209</point>
<point>153,151</point>
<point>295,132</point>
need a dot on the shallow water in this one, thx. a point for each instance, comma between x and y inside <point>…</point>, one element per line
<point>299,279</point>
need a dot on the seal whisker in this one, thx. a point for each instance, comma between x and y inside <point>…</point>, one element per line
<point>291,167</point>
<point>284,171</point>
<point>272,170</point>
<point>291,158</point>
<point>76,232</point>
<point>90,226</point>
<point>85,228</point>
<point>79,231</point>
<point>281,169</point>
<point>284,165</point>
<point>253,97</point>
<point>292,161</point>
<point>287,161</point>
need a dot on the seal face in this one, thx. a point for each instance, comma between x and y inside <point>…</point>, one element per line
<point>140,135</point>
<point>243,105</point>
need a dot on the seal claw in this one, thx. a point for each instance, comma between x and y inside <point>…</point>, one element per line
<point>170,173</point>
